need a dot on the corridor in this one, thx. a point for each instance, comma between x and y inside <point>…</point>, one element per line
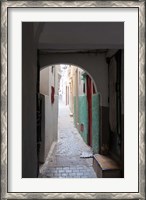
<point>70,157</point>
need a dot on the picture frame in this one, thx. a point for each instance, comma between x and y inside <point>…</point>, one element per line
<point>5,5</point>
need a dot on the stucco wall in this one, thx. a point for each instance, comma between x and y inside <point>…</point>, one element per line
<point>83,119</point>
<point>49,125</point>
<point>74,115</point>
<point>49,128</point>
<point>44,81</point>
<point>83,116</point>
<point>80,99</point>
<point>95,123</point>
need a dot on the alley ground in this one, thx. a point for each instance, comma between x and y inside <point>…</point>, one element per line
<point>64,161</point>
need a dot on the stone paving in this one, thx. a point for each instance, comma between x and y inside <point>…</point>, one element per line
<point>64,159</point>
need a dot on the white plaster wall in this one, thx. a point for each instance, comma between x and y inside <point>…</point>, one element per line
<point>49,129</point>
<point>80,71</point>
<point>49,125</point>
<point>94,64</point>
<point>70,85</point>
<point>63,83</point>
<point>44,81</point>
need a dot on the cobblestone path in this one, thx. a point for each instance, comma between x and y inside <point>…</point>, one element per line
<point>64,160</point>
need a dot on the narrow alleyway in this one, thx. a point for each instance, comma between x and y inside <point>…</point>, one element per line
<point>66,159</point>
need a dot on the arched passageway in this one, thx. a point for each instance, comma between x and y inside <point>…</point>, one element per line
<point>95,64</point>
<point>78,122</point>
<point>99,62</point>
<point>110,142</point>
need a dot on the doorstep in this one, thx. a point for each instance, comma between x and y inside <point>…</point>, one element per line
<point>106,167</point>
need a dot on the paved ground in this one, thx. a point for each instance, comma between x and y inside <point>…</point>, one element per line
<point>64,160</point>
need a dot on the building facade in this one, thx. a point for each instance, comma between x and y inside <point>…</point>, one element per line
<point>84,103</point>
<point>49,92</point>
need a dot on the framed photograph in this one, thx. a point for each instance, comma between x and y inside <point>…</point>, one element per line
<point>73,99</point>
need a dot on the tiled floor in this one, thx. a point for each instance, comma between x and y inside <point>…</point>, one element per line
<point>64,160</point>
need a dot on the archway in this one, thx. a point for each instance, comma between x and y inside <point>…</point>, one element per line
<point>95,64</point>
<point>79,93</point>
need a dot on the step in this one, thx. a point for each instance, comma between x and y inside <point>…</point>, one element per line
<point>105,167</point>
